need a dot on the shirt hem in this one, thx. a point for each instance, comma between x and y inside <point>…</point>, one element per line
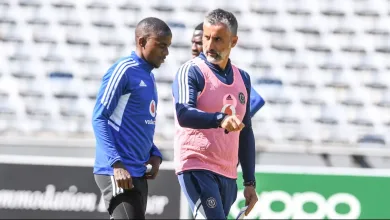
<point>177,171</point>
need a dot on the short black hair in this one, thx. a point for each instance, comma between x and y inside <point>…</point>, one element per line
<point>152,25</point>
<point>221,16</point>
<point>199,27</point>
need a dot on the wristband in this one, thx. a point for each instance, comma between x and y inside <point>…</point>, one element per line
<point>220,118</point>
<point>250,183</point>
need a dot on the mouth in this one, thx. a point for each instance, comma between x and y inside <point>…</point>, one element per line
<point>213,54</point>
<point>163,59</point>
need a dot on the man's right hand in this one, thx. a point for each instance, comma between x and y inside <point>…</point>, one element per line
<point>122,176</point>
<point>232,123</point>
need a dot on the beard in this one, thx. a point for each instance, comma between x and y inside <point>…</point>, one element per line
<point>215,60</point>
<point>218,57</point>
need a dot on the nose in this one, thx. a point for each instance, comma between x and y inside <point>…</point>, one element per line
<point>193,47</point>
<point>209,45</point>
<point>166,51</point>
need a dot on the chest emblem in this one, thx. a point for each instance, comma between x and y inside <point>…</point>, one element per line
<point>241,97</point>
<point>152,108</point>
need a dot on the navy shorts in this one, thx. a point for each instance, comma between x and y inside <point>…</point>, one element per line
<point>209,195</point>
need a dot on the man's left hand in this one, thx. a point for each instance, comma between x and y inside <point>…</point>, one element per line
<point>250,198</point>
<point>155,161</point>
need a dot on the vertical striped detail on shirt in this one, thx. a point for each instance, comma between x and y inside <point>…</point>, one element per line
<point>115,77</point>
<point>182,79</point>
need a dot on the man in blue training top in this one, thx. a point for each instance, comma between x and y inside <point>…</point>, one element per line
<point>124,123</point>
<point>197,47</point>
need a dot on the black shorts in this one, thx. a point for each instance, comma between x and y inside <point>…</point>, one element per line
<point>124,204</point>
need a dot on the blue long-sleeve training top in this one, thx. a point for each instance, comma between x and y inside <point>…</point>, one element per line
<point>124,117</point>
<point>256,102</point>
<point>189,116</point>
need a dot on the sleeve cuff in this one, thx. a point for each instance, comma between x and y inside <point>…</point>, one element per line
<point>218,118</point>
<point>116,159</point>
<point>158,155</point>
<point>249,179</point>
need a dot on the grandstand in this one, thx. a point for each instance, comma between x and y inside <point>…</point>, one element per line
<point>322,66</point>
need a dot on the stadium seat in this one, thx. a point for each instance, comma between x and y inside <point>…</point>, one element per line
<point>63,4</point>
<point>302,135</point>
<point>313,101</point>
<point>372,139</point>
<point>97,5</point>
<point>268,87</point>
<point>265,130</point>
<point>6,18</point>
<point>37,116</point>
<point>92,84</point>
<point>379,162</point>
<point>11,116</point>
<point>383,107</point>
<point>341,161</point>
<point>12,35</point>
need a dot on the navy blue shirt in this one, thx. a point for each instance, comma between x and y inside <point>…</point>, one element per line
<point>189,82</point>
